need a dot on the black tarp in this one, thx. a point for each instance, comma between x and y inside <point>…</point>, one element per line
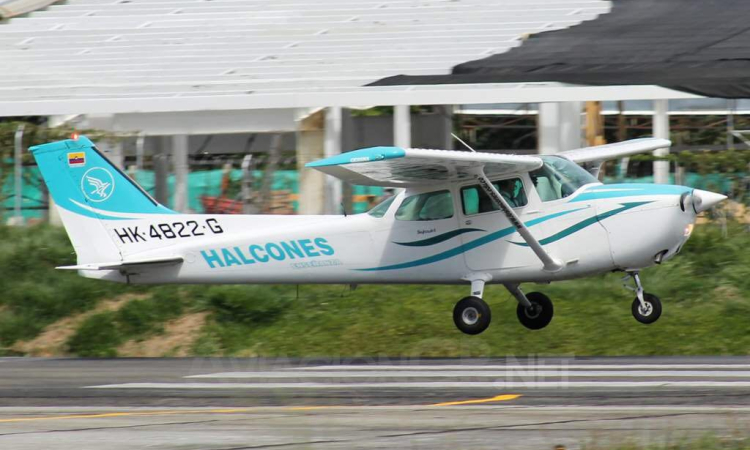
<point>698,46</point>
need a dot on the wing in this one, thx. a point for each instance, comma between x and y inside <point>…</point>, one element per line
<point>402,167</point>
<point>618,150</point>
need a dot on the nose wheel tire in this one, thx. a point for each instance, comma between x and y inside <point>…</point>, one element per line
<point>472,315</point>
<point>539,315</point>
<point>652,310</point>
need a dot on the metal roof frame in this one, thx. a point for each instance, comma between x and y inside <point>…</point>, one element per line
<point>371,96</point>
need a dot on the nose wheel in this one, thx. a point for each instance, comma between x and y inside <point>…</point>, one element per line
<point>647,311</point>
<point>646,307</point>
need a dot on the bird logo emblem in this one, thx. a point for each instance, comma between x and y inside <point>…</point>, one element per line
<point>97,184</point>
<point>100,187</point>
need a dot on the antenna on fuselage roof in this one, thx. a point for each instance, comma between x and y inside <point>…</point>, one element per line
<point>464,143</point>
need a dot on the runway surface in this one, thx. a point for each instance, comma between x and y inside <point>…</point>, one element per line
<point>341,404</point>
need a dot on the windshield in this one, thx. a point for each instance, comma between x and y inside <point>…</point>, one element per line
<point>381,208</point>
<point>559,177</point>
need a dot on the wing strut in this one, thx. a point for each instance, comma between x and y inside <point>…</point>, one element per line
<point>551,264</point>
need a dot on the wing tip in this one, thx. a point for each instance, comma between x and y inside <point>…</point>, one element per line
<point>369,154</point>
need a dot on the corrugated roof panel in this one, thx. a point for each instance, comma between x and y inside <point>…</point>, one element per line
<point>99,49</point>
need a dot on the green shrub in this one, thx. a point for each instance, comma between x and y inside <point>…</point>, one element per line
<point>101,334</point>
<point>33,293</point>
<point>15,327</point>
<point>141,317</point>
<point>707,442</point>
<point>245,304</point>
<point>98,336</point>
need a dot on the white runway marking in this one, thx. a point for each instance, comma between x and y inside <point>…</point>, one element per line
<point>481,374</point>
<point>539,366</point>
<point>435,385</point>
<point>453,376</point>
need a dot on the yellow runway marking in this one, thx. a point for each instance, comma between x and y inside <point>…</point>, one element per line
<point>498,398</point>
<point>311,408</point>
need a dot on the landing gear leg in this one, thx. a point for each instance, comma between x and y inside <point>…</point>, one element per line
<point>472,314</point>
<point>534,310</point>
<point>646,308</point>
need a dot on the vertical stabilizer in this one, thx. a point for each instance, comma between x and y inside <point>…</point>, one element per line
<point>90,192</point>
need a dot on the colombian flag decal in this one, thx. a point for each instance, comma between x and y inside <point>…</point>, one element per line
<point>77,159</point>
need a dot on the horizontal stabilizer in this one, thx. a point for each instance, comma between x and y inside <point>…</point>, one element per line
<point>125,265</point>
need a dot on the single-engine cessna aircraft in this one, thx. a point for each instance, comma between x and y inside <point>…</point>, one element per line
<point>461,217</point>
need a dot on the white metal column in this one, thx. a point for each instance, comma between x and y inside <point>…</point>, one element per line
<point>113,151</point>
<point>402,126</point>
<point>661,130</point>
<point>140,151</point>
<point>547,128</point>
<point>161,168</point>
<point>559,127</point>
<point>332,148</point>
<point>311,147</point>
<point>447,113</point>
<point>53,215</point>
<point>571,125</point>
<point>18,176</point>
<point>181,169</point>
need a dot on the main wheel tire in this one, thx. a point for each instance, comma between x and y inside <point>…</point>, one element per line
<point>472,315</point>
<point>539,315</point>
<point>651,313</point>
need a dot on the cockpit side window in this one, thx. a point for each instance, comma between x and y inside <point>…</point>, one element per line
<point>428,206</point>
<point>475,201</point>
<point>559,178</point>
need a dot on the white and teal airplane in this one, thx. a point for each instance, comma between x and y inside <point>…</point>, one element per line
<point>459,217</point>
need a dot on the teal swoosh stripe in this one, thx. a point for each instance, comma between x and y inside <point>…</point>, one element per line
<point>469,245</point>
<point>628,190</point>
<point>585,223</point>
<point>439,238</point>
<point>72,207</point>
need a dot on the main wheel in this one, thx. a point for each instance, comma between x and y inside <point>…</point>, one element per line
<point>652,310</point>
<point>472,315</point>
<point>539,315</point>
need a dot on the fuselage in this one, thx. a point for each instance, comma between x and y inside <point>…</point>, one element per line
<point>460,218</point>
<point>596,229</point>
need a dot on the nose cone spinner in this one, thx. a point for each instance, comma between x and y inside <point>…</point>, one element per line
<point>703,200</point>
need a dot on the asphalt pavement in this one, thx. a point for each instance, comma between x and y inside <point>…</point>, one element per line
<point>230,403</point>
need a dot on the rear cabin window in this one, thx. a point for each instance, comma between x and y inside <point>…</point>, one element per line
<point>475,201</point>
<point>428,206</point>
